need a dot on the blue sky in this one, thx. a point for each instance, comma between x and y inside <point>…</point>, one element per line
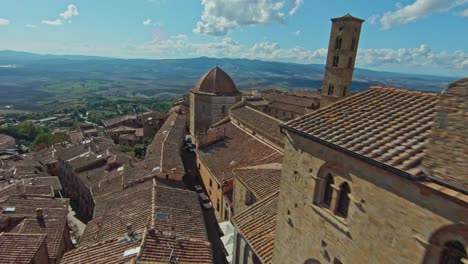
<point>414,36</point>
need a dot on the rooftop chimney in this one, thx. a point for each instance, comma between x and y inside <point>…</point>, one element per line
<point>446,157</point>
<point>39,214</point>
<point>129,229</point>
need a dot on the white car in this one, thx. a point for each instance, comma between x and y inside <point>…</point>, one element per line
<point>205,201</point>
<point>199,189</point>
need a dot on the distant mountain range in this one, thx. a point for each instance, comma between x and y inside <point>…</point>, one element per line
<point>33,77</point>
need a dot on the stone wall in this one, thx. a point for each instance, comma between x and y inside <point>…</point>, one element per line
<point>390,219</point>
<point>447,151</point>
<point>239,197</point>
<point>206,110</point>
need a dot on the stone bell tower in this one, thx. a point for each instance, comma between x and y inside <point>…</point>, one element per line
<point>342,50</point>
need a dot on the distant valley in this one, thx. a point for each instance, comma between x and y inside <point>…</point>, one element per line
<point>46,82</point>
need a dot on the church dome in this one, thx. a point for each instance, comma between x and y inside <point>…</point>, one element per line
<point>216,82</point>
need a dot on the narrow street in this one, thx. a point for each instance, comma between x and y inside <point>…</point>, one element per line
<point>190,180</point>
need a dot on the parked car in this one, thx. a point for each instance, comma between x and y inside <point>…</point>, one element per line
<point>199,189</point>
<point>205,201</point>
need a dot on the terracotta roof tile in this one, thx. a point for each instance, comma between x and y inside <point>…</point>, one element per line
<point>387,125</point>
<point>162,248</point>
<point>237,149</point>
<point>257,224</point>
<point>117,120</point>
<point>19,248</point>
<point>164,150</point>
<point>215,81</point>
<point>107,252</point>
<point>261,182</point>
<point>261,123</point>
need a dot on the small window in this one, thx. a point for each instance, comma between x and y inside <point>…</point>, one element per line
<point>223,109</point>
<point>284,113</point>
<point>330,89</point>
<point>249,198</point>
<point>219,187</point>
<point>353,44</point>
<point>343,200</point>
<point>345,90</point>
<point>211,182</point>
<point>452,253</point>
<point>217,204</point>
<point>336,60</point>
<point>350,62</point>
<point>340,29</point>
<point>328,191</point>
<point>338,43</point>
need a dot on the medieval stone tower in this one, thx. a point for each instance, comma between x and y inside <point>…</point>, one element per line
<point>342,50</point>
<point>211,99</point>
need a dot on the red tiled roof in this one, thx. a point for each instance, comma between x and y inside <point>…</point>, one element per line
<point>259,122</point>
<point>257,224</point>
<point>107,252</point>
<point>387,125</point>
<point>19,248</point>
<point>215,81</point>
<point>261,182</point>
<point>114,211</point>
<point>117,120</point>
<point>164,150</point>
<point>161,248</point>
<point>237,149</point>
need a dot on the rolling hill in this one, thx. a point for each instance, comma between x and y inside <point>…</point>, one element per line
<point>34,82</point>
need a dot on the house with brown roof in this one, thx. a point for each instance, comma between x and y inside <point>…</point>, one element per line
<point>163,155</point>
<point>286,106</point>
<point>378,177</point>
<point>254,183</point>
<point>40,222</point>
<point>23,248</point>
<point>254,230</point>
<point>146,222</point>
<point>227,147</point>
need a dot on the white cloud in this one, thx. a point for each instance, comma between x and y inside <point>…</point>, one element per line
<point>415,11</point>
<point>463,13</point>
<point>180,46</point>
<point>56,22</point>
<point>70,12</point>
<point>221,16</point>
<point>30,26</point>
<point>147,22</point>
<point>295,6</point>
<point>4,22</point>
<point>297,33</point>
<point>373,19</point>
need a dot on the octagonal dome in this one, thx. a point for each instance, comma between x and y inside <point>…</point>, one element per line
<point>215,82</point>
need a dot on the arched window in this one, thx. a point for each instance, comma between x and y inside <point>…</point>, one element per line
<point>328,191</point>
<point>343,200</point>
<point>336,60</point>
<point>330,89</point>
<point>453,253</point>
<point>350,62</point>
<point>353,44</point>
<point>338,43</point>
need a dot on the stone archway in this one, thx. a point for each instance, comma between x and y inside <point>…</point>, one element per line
<point>446,244</point>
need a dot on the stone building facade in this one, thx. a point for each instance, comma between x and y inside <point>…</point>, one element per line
<point>360,195</point>
<point>211,99</point>
<point>342,51</point>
